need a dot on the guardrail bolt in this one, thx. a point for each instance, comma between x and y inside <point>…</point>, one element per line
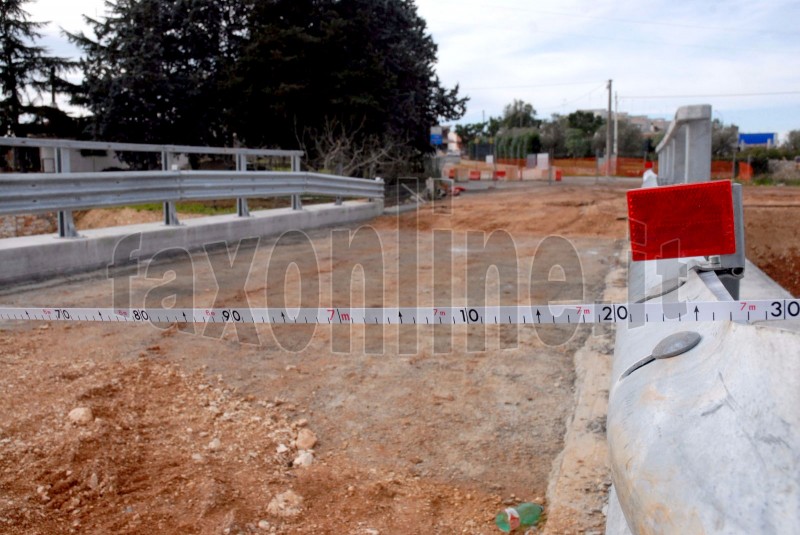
<point>676,344</point>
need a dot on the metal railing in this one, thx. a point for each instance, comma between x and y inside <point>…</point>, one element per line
<point>64,191</point>
<point>684,155</point>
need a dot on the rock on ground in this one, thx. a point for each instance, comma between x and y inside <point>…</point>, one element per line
<point>306,439</point>
<point>81,415</point>
<point>286,504</point>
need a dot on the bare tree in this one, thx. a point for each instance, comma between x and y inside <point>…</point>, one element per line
<point>724,139</point>
<point>334,148</point>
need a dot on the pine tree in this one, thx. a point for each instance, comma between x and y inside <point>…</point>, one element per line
<point>153,70</point>
<point>367,65</point>
<point>268,73</point>
<point>26,73</point>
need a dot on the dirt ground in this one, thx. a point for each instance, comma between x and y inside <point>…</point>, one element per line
<point>208,432</point>
<point>771,215</point>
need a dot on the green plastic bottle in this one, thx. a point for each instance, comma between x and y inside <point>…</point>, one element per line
<point>523,515</point>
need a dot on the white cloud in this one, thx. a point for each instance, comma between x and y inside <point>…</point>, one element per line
<point>648,48</point>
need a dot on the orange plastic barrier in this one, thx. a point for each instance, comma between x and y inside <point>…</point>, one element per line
<point>473,170</point>
<point>745,172</point>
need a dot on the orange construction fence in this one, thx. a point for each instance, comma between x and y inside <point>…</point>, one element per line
<point>724,170</point>
<point>511,169</point>
<point>578,166</point>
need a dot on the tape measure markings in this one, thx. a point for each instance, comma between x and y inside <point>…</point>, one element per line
<point>697,311</point>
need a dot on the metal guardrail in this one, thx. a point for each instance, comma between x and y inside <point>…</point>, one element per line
<point>64,191</point>
<point>48,192</point>
<point>684,155</point>
<point>72,144</point>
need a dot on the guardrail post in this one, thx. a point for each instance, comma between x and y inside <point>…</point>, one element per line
<point>170,214</point>
<point>242,210</point>
<point>66,224</point>
<point>339,201</point>
<point>297,204</point>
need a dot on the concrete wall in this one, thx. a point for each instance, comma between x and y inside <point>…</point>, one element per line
<point>44,256</point>
<point>684,155</point>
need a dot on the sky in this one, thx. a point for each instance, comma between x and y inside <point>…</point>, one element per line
<point>741,57</point>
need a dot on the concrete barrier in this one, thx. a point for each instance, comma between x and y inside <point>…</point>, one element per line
<point>684,155</point>
<point>44,256</point>
<point>706,441</point>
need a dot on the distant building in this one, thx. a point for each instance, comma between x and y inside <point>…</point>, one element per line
<point>758,140</point>
<point>647,125</point>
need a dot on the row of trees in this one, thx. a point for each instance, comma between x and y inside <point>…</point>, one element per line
<point>276,73</point>
<point>577,135</point>
<point>580,134</point>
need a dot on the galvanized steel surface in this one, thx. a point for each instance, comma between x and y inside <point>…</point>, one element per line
<point>140,147</point>
<point>45,192</point>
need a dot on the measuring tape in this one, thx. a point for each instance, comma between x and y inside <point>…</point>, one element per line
<point>697,311</point>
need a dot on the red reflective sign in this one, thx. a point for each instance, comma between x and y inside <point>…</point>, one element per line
<point>680,221</point>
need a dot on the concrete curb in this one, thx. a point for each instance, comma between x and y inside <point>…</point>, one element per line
<point>40,257</point>
<point>576,494</point>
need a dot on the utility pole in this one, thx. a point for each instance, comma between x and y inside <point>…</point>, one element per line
<point>608,133</point>
<point>616,124</point>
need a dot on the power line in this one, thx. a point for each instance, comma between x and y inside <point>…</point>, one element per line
<point>720,95</point>
<point>649,22</point>
<point>584,95</point>
<point>532,86</point>
<point>571,101</point>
